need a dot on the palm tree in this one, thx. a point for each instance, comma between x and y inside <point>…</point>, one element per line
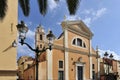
<point>72,6</point>
<point>42,6</point>
<point>25,5</point>
<point>3,8</point>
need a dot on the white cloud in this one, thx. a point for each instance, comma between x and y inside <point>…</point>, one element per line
<point>75,17</point>
<point>30,34</point>
<point>24,51</point>
<point>116,56</point>
<point>87,21</point>
<point>99,13</point>
<point>92,15</point>
<point>29,23</point>
<point>30,39</point>
<point>87,11</point>
<point>52,4</point>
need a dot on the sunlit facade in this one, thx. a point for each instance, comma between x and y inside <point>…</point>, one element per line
<point>8,36</point>
<point>72,56</point>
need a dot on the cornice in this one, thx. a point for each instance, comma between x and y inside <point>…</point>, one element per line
<point>73,50</point>
<point>8,71</point>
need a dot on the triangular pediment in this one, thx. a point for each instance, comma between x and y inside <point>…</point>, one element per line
<point>77,26</point>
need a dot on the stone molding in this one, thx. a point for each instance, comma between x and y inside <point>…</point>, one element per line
<point>73,50</point>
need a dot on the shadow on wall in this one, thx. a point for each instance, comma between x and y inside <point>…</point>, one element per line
<point>9,47</point>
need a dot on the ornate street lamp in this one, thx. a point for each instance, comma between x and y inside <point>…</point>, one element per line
<point>106,54</point>
<point>23,29</point>
<point>111,56</point>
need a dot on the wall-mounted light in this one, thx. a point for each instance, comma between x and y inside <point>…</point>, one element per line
<point>14,43</point>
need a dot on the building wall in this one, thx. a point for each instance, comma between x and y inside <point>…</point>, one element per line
<point>57,56</point>
<point>42,71</point>
<point>118,68</point>
<point>29,73</point>
<point>72,36</point>
<point>74,53</point>
<point>76,56</point>
<point>23,63</point>
<point>94,61</point>
<point>102,70</point>
<point>73,57</point>
<point>22,59</point>
<point>115,66</point>
<point>8,33</point>
<point>8,75</point>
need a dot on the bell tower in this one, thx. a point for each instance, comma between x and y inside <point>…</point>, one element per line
<point>40,37</point>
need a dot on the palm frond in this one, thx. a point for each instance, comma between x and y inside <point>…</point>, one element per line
<point>56,1</point>
<point>72,6</point>
<point>42,6</point>
<point>3,8</point>
<point>25,6</point>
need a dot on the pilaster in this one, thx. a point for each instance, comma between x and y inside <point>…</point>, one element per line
<point>49,65</point>
<point>90,58</point>
<point>98,62</point>
<point>66,56</point>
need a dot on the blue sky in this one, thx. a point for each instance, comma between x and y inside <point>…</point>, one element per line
<point>101,16</point>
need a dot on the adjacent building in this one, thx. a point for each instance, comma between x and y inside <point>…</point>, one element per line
<point>72,56</point>
<point>24,62</point>
<point>109,68</point>
<point>118,68</point>
<point>8,36</point>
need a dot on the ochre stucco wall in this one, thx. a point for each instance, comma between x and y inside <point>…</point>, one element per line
<point>8,33</point>
<point>57,55</point>
<point>29,73</point>
<point>114,66</point>
<point>72,36</point>
<point>73,57</point>
<point>42,71</point>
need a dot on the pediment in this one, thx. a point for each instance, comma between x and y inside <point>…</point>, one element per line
<point>78,26</point>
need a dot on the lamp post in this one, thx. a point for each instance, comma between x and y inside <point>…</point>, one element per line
<point>23,29</point>
<point>108,60</point>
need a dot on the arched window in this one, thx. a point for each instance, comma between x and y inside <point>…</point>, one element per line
<point>74,42</point>
<point>84,45</point>
<point>79,42</point>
